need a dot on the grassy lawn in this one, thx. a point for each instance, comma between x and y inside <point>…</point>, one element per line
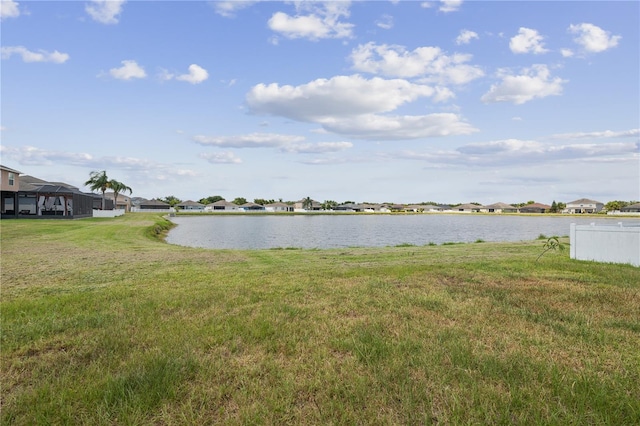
<point>103,323</point>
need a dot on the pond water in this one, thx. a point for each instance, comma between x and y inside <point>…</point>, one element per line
<point>335,231</point>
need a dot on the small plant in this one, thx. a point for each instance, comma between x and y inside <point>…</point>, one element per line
<point>542,237</point>
<point>552,243</point>
<point>479,240</point>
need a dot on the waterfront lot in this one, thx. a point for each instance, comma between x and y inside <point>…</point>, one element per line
<point>103,323</point>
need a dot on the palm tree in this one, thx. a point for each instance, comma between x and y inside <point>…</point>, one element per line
<point>98,181</point>
<point>117,188</point>
<point>307,203</point>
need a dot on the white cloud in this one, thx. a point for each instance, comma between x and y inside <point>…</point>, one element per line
<point>518,153</point>
<point>533,83</point>
<point>29,56</point>
<point>352,105</point>
<point>228,9</point>
<point>317,148</point>
<point>428,62</point>
<point>527,41</point>
<point>592,38</point>
<point>196,75</point>
<point>33,156</point>
<point>385,22</point>
<point>251,140</point>
<point>466,36</point>
<point>314,21</point>
<point>566,53</point>
<point>105,11</point>
<point>450,5</point>
<point>379,127</point>
<point>286,143</point>
<point>226,157</point>
<point>340,96</point>
<point>9,9</point>
<point>129,69</point>
<point>607,134</point>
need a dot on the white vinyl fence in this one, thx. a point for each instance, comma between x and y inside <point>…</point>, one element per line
<point>606,243</point>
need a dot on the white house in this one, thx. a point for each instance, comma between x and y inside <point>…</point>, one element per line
<point>583,205</point>
<point>278,207</point>
<point>222,206</point>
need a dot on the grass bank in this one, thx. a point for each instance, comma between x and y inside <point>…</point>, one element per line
<point>103,323</point>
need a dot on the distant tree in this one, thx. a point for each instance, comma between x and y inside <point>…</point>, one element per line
<point>554,207</point>
<point>239,201</point>
<point>561,206</point>
<point>530,202</point>
<point>348,202</point>
<point>117,188</point>
<point>329,205</point>
<point>615,205</point>
<point>171,200</point>
<point>262,201</point>
<point>210,200</point>
<point>475,203</point>
<point>98,181</point>
<point>307,203</point>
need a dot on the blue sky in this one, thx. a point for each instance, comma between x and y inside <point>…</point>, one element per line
<point>378,101</point>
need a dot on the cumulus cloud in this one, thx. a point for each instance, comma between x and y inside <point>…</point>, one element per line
<point>607,134</point>
<point>566,53</point>
<point>105,11</point>
<point>196,75</point>
<point>592,38</point>
<point>450,5</point>
<point>226,157</point>
<point>527,41</point>
<point>29,56</point>
<point>466,36</point>
<point>314,21</point>
<point>431,63</point>
<point>9,9</point>
<point>324,99</point>
<point>533,83</point>
<point>518,153</point>
<point>129,69</point>
<point>228,9</point>
<point>353,105</point>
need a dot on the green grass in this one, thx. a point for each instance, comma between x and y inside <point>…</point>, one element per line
<point>104,323</point>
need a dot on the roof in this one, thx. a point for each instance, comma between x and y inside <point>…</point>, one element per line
<point>223,203</point>
<point>499,206</point>
<point>467,206</point>
<point>584,201</point>
<point>191,203</point>
<point>277,205</point>
<point>536,206</point>
<point>154,202</point>
<point>631,206</point>
<point>9,169</point>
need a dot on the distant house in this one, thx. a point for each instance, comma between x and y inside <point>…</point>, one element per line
<point>222,206</point>
<point>278,207</point>
<point>301,206</point>
<point>583,205</point>
<point>633,208</point>
<point>122,203</point>
<point>467,208</point>
<point>349,207</point>
<point>500,208</point>
<point>9,187</point>
<point>191,206</point>
<point>252,207</point>
<point>535,208</point>
<point>155,205</point>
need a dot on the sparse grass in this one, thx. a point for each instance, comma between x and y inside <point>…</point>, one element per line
<point>103,323</point>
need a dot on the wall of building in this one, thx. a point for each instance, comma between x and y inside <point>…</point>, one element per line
<point>605,243</point>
